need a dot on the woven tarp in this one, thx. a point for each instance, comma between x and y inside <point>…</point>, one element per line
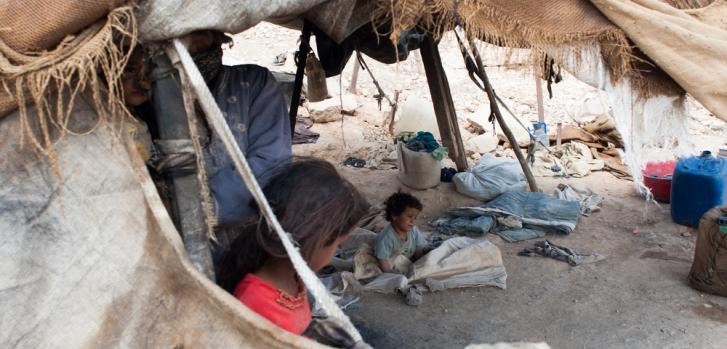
<point>531,24</point>
<point>167,19</point>
<point>691,48</point>
<point>95,261</point>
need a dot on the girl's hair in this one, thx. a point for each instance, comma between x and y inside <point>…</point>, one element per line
<point>312,202</point>
<point>397,203</point>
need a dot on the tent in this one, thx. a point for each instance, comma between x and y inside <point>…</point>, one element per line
<point>91,258</point>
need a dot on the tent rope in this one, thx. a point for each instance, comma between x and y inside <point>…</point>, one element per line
<point>219,126</point>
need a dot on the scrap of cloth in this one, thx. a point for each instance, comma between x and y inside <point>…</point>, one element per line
<point>532,210</point>
<point>464,225</point>
<point>576,161</point>
<point>590,202</point>
<point>424,142</point>
<point>548,249</point>
<point>303,134</point>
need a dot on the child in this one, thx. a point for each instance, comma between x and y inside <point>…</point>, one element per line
<point>318,208</point>
<point>400,243</point>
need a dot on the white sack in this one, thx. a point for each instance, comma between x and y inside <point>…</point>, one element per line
<point>490,177</point>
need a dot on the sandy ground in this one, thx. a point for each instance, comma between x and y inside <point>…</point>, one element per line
<point>636,298</point>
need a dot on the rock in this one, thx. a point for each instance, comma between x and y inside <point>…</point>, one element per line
<point>474,127</point>
<point>482,144</point>
<point>303,112</point>
<point>481,114</point>
<point>372,115</point>
<point>329,109</point>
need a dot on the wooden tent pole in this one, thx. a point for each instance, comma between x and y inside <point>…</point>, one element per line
<point>498,115</point>
<point>443,104</point>
<point>539,97</point>
<point>354,77</point>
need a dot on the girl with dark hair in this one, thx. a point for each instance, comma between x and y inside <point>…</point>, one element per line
<point>318,208</point>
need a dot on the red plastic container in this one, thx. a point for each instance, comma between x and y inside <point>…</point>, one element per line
<point>657,177</point>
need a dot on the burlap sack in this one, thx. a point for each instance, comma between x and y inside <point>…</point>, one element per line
<point>709,269</point>
<point>36,25</point>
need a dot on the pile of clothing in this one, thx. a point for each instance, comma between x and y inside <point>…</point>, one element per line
<point>423,142</point>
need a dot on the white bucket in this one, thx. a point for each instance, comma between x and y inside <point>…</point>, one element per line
<point>418,170</point>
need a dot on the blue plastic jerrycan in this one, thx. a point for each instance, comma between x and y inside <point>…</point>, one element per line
<point>699,184</point>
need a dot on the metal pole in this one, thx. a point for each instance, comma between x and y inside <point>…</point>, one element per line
<point>301,56</point>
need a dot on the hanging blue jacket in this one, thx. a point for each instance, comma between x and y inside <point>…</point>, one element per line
<point>257,114</point>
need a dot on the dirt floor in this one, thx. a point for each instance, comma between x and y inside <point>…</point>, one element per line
<point>637,297</point>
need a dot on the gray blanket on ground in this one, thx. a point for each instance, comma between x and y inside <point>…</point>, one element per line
<point>522,216</point>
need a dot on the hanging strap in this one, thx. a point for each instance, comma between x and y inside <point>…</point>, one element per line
<point>222,130</point>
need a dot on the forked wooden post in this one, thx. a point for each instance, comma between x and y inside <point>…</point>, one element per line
<point>500,120</point>
<point>443,104</point>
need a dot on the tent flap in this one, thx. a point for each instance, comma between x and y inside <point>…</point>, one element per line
<point>98,263</point>
<point>167,19</point>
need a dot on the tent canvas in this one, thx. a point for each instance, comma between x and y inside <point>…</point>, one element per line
<point>95,261</point>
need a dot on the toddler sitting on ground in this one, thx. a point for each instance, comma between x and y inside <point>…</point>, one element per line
<point>401,242</point>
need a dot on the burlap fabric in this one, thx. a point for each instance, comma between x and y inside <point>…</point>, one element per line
<point>531,24</point>
<point>94,59</point>
<point>36,25</point>
<point>709,269</point>
<point>690,50</point>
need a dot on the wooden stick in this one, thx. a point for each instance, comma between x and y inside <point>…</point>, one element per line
<point>443,104</point>
<point>354,77</point>
<point>539,97</point>
<point>392,114</point>
<point>498,115</point>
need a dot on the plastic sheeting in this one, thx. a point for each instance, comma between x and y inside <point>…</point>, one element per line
<point>167,19</point>
<point>96,262</point>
